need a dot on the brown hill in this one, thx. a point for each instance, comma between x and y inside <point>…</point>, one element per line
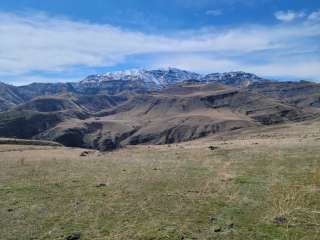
<point>176,114</point>
<point>181,112</point>
<point>9,97</point>
<point>302,94</point>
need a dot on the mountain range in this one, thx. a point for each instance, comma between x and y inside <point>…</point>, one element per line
<point>162,106</point>
<point>162,78</point>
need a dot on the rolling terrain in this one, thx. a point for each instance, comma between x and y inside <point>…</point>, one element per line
<point>258,183</point>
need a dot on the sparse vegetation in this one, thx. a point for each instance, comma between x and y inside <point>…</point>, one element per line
<point>253,186</point>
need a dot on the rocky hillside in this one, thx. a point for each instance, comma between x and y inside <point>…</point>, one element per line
<point>151,106</point>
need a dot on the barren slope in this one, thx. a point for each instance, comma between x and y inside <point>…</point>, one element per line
<point>179,113</point>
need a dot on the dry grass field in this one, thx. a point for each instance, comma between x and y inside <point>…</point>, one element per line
<point>247,185</point>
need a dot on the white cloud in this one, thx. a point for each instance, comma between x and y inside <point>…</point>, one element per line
<point>196,62</point>
<point>288,16</point>
<point>282,67</point>
<point>314,16</point>
<point>42,43</point>
<point>303,70</point>
<point>23,79</point>
<point>39,43</point>
<point>214,12</point>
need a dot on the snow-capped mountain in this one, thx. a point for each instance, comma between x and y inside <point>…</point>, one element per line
<point>242,79</point>
<point>160,78</point>
<point>173,75</point>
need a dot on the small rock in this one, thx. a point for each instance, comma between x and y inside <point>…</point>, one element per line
<point>73,236</point>
<point>84,154</point>
<point>155,169</point>
<point>212,148</point>
<point>217,229</point>
<point>280,220</point>
<point>101,185</point>
<point>10,209</point>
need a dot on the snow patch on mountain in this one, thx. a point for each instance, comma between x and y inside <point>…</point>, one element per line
<point>168,76</point>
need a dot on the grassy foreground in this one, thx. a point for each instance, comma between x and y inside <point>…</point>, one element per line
<point>256,186</point>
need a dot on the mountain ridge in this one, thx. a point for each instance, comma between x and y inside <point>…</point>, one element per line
<point>161,78</point>
<point>151,107</point>
<point>133,81</point>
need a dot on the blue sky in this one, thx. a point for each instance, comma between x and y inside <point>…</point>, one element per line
<point>65,40</point>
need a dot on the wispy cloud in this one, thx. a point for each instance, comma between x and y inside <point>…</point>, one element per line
<point>288,16</point>
<point>303,70</point>
<point>282,68</point>
<point>41,43</point>
<point>27,79</point>
<point>214,12</point>
<point>201,63</point>
<point>314,16</point>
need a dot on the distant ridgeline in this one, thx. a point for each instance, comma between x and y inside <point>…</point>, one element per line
<point>161,106</point>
